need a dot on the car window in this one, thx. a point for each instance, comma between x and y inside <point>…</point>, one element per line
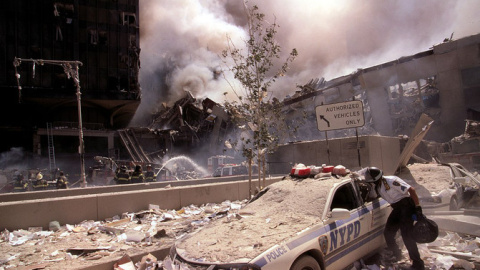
<point>367,192</point>
<point>225,171</point>
<point>345,198</point>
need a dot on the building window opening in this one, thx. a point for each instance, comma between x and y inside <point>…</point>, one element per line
<point>429,92</point>
<point>129,19</point>
<point>93,36</point>
<point>407,101</point>
<point>102,38</point>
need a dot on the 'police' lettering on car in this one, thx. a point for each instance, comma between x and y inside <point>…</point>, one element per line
<point>276,253</point>
<point>344,234</point>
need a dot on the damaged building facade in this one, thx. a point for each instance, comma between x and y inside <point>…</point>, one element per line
<point>443,82</point>
<point>104,37</point>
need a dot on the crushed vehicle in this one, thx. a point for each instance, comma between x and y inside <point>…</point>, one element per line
<point>443,186</point>
<point>467,189</point>
<point>292,224</point>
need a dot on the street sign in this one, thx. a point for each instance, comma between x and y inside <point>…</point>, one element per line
<point>340,115</point>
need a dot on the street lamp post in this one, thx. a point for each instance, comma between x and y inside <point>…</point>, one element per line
<point>71,69</point>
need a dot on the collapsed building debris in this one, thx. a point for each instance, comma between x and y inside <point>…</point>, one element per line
<point>463,149</point>
<point>178,129</point>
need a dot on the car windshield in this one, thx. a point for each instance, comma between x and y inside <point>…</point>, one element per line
<point>286,208</point>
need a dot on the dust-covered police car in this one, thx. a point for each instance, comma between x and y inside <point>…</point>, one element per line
<point>292,224</point>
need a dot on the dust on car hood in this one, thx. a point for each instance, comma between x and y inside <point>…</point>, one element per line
<point>285,209</point>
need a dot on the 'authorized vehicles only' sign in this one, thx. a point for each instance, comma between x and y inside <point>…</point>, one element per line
<point>340,115</point>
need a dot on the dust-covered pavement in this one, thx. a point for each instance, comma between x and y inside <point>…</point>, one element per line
<point>76,246</point>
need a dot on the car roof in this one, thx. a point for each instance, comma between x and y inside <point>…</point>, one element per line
<point>285,209</point>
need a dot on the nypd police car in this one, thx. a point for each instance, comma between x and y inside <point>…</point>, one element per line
<point>310,223</point>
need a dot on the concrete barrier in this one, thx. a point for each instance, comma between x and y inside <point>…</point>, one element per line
<point>100,206</point>
<point>90,190</point>
<point>38,213</point>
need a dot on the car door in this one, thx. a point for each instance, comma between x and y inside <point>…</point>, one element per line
<point>349,237</point>
<point>378,210</point>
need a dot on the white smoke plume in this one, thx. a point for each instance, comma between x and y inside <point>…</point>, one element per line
<point>11,159</point>
<point>182,40</point>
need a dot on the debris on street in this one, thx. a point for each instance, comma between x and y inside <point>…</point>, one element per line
<point>91,242</point>
<point>118,239</point>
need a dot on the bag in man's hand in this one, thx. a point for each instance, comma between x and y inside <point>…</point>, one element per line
<point>425,230</point>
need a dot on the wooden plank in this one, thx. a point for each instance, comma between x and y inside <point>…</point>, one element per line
<point>420,130</point>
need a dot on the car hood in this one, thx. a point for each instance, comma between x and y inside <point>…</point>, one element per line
<point>284,210</point>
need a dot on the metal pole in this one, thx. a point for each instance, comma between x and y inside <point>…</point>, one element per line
<point>328,148</point>
<point>81,147</point>
<point>358,148</point>
<point>71,69</point>
<point>358,144</point>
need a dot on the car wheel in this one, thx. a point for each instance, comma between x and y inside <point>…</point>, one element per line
<point>453,204</point>
<point>305,263</point>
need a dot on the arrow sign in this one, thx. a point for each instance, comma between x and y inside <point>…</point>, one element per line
<point>324,119</point>
<point>340,115</point>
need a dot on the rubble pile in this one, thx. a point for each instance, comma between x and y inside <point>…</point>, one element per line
<point>65,246</point>
<point>449,251</point>
<point>92,242</point>
<point>472,129</point>
<point>431,181</point>
<point>469,141</point>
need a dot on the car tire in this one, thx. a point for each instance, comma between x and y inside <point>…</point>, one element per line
<point>305,263</point>
<point>453,204</point>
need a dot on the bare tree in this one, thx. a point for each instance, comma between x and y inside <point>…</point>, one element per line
<point>256,68</point>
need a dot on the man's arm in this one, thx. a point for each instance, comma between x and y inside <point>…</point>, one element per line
<point>414,196</point>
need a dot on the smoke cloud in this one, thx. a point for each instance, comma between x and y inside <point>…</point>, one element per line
<point>182,40</point>
<point>10,159</point>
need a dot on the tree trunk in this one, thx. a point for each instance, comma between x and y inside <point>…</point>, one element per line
<point>249,178</point>
<point>264,169</point>
<point>259,173</point>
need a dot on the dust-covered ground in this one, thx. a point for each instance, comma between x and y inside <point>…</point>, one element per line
<point>76,246</point>
<point>429,180</point>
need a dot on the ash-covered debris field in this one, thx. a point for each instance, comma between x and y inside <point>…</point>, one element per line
<point>76,246</point>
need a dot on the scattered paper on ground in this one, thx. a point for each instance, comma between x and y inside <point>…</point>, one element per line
<point>76,246</point>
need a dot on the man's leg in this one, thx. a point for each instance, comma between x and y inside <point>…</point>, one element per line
<point>406,228</point>
<point>391,228</point>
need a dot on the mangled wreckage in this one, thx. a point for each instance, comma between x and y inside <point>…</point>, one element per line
<point>177,130</point>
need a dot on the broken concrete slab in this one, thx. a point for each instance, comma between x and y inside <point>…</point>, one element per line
<point>462,224</point>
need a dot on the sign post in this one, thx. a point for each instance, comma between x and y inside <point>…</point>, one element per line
<point>340,116</point>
